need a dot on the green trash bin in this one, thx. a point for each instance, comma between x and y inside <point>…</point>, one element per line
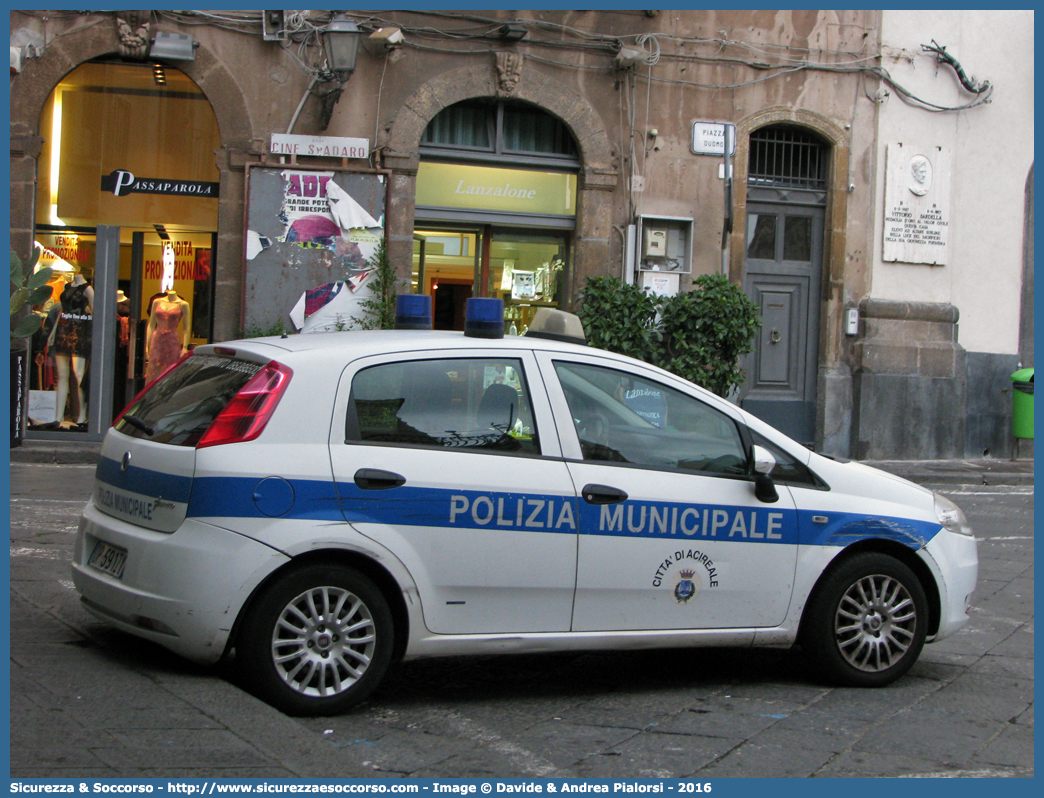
<point>1022,416</point>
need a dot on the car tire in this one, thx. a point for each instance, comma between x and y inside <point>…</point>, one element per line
<point>865,625</point>
<point>317,642</point>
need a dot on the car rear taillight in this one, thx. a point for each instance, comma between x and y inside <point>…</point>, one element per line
<point>246,415</point>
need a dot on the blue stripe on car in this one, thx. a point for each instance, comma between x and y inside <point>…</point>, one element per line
<point>142,480</point>
<point>236,497</point>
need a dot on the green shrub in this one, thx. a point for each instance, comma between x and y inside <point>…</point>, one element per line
<point>619,317</point>
<point>699,335</point>
<point>705,333</point>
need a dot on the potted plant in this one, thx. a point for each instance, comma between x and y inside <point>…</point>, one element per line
<point>29,290</point>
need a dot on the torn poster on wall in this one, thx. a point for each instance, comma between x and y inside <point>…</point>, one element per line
<point>321,229</point>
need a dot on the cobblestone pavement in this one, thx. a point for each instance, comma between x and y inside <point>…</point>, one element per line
<point>87,701</point>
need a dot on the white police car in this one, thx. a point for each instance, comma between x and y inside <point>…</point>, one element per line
<point>325,504</point>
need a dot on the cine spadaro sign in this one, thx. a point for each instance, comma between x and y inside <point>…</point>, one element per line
<point>319,146</point>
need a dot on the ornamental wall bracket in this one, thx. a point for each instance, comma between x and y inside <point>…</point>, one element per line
<point>509,73</point>
<point>132,28</point>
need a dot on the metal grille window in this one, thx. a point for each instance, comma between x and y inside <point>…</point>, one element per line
<point>787,156</point>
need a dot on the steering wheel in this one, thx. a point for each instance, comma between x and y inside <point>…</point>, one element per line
<point>593,427</point>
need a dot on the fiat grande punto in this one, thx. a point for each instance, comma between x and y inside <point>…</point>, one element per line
<point>323,505</point>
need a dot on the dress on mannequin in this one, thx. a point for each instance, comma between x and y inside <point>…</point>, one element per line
<point>73,334</point>
<point>168,334</point>
<point>72,347</point>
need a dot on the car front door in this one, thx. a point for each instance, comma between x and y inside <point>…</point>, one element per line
<point>452,462</point>
<point>671,533</point>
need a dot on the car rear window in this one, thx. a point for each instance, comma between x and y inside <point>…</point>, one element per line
<point>179,408</point>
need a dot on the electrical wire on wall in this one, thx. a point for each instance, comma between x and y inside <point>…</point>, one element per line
<point>479,35</point>
<point>661,57</point>
<point>377,115</point>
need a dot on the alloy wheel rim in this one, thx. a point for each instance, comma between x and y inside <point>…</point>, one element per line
<point>875,624</point>
<point>323,642</point>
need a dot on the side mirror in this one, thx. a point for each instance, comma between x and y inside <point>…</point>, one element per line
<point>764,487</point>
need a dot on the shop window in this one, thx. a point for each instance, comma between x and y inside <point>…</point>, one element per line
<point>61,348</point>
<point>128,146</point>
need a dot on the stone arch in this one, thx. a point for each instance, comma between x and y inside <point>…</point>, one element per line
<point>404,133</point>
<point>598,172</point>
<point>836,211</point>
<point>35,84</point>
<point>833,136</point>
<point>817,123</point>
<point>29,93</point>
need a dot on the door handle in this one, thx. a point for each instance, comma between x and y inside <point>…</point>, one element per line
<point>774,336</point>
<point>602,494</point>
<point>376,479</point>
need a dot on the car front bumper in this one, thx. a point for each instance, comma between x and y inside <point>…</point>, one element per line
<point>955,560</point>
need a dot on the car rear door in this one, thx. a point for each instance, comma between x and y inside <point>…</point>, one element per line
<point>671,533</point>
<point>451,460</point>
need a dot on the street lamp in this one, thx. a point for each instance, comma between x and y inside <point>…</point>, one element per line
<point>342,46</point>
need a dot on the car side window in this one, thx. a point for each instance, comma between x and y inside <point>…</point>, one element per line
<point>461,403</point>
<point>623,418</point>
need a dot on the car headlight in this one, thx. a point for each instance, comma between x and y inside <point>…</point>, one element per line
<point>951,516</point>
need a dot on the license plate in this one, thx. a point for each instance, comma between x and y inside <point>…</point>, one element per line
<point>109,559</point>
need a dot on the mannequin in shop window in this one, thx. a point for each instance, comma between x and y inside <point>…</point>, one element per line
<point>72,347</point>
<point>169,333</point>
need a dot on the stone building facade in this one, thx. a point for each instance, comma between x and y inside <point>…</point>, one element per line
<point>607,107</point>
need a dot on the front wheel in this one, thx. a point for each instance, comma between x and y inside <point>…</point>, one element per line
<point>318,641</point>
<point>866,624</point>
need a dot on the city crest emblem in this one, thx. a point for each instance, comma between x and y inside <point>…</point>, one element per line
<point>685,589</point>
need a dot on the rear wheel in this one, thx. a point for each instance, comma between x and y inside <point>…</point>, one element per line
<point>866,624</point>
<point>318,641</point>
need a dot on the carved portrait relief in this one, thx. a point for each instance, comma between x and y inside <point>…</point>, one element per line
<point>920,175</point>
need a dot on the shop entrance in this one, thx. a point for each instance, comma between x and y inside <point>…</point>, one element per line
<point>495,210</point>
<point>523,267</point>
<point>127,203</point>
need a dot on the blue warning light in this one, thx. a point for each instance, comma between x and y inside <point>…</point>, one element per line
<point>484,317</point>
<point>413,312</point>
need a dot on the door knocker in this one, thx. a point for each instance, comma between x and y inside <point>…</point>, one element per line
<point>774,336</point>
